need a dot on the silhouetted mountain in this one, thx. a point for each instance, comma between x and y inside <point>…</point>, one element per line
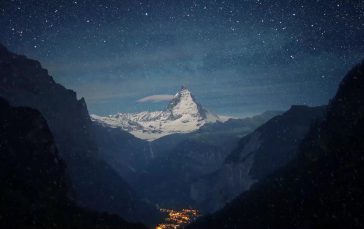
<point>323,186</point>
<point>257,155</point>
<point>278,140</point>
<point>33,190</point>
<point>23,82</point>
<point>127,154</point>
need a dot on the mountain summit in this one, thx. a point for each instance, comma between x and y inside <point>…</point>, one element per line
<point>182,115</point>
<point>184,103</point>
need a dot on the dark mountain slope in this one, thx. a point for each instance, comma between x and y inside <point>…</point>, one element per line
<point>223,135</point>
<point>33,190</point>
<point>127,154</point>
<point>279,139</point>
<point>23,82</point>
<point>257,155</point>
<point>322,187</point>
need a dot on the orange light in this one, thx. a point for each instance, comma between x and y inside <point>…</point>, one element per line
<point>176,219</point>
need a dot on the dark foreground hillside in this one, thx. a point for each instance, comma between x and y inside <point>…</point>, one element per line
<point>323,186</point>
<point>93,183</point>
<point>33,190</point>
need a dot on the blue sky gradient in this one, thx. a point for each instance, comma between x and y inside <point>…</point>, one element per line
<point>237,57</point>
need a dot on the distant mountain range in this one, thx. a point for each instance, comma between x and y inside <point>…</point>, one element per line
<point>182,115</point>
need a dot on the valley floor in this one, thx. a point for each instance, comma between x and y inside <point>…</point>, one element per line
<point>177,218</point>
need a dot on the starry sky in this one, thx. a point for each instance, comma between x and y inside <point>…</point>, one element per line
<point>237,57</point>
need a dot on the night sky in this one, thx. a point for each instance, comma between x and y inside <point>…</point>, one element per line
<point>237,57</point>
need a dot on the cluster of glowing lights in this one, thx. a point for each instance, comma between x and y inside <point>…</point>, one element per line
<point>177,219</point>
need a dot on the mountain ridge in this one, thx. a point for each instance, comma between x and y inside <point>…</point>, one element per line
<point>183,114</point>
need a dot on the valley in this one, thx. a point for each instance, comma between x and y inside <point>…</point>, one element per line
<point>181,160</point>
<point>181,114</point>
<point>176,219</point>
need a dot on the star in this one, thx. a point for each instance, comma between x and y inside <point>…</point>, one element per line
<point>253,44</point>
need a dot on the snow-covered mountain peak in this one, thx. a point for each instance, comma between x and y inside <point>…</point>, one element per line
<point>183,115</point>
<point>184,104</point>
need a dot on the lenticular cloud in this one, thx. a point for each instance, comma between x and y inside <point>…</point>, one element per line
<point>155,98</point>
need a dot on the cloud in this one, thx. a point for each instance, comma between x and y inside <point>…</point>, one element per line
<point>155,98</point>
